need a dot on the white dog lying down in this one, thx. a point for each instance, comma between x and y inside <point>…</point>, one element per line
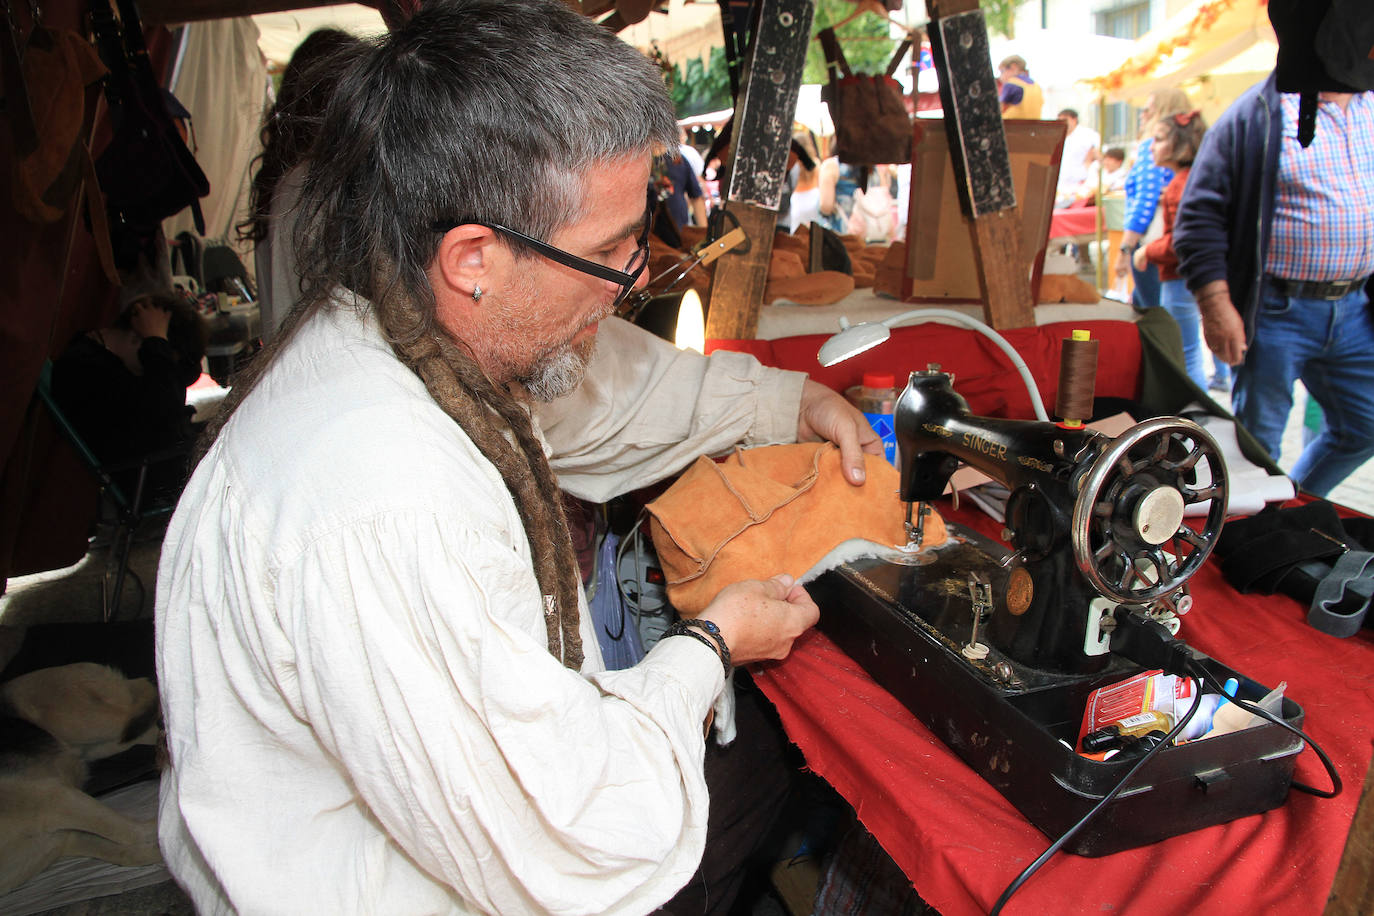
<point>52,722</point>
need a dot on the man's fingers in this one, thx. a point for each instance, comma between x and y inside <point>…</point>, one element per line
<point>852,460</point>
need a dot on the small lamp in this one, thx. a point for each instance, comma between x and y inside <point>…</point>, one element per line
<point>851,340</point>
<point>677,317</point>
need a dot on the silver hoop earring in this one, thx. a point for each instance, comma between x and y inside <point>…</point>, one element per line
<point>476,293</point>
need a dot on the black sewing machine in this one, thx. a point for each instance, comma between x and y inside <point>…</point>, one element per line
<point>997,648</point>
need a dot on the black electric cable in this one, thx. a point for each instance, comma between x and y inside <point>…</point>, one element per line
<point>1096,809</point>
<point>1249,707</point>
<point>1199,675</point>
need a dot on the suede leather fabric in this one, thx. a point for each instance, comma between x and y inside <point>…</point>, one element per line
<point>765,511</point>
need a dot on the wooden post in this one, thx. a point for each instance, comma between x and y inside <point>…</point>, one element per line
<point>762,135</point>
<point>982,166</point>
<point>1352,893</point>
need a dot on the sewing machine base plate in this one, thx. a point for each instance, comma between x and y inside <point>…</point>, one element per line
<point>1017,732</point>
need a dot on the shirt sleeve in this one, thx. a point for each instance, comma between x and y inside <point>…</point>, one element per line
<point>421,667</point>
<point>1011,93</point>
<point>1202,228</point>
<point>1143,187</point>
<point>647,409</point>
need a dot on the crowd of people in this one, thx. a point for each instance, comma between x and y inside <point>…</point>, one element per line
<point>1258,246</point>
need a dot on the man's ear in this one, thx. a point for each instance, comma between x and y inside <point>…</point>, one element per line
<point>464,263</point>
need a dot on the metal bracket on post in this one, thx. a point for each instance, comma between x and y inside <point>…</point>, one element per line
<point>762,132</point>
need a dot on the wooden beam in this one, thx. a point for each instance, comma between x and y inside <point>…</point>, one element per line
<point>762,135</point>
<point>982,165</point>
<point>1352,893</point>
<point>176,12</point>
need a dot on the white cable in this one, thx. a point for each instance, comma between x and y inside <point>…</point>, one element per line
<point>864,337</point>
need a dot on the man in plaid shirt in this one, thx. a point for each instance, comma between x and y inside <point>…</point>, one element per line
<point>1276,241</point>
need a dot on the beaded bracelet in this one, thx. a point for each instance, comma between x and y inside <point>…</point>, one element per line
<point>712,640</point>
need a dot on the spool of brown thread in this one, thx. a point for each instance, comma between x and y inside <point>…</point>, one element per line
<point>1077,378</point>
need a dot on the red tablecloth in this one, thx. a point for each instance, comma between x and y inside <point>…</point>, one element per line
<point>1073,221</point>
<point>982,373</point>
<point>961,843</point>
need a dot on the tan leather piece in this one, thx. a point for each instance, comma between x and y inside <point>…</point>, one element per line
<point>765,511</point>
<point>784,264</point>
<point>1067,288</point>
<point>824,287</point>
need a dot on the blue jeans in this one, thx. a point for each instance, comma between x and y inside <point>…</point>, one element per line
<point>1221,372</point>
<point>1330,347</point>
<point>1178,302</point>
<point>1146,295</point>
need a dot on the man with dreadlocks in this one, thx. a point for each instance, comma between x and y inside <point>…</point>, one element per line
<point>381,688</point>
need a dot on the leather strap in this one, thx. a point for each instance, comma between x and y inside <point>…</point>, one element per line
<point>834,55</point>
<point>897,57</point>
<point>1261,564</point>
<point>1349,586</point>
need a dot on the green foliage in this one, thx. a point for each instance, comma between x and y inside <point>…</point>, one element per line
<point>1000,16</point>
<point>697,89</point>
<point>701,89</point>
<point>864,40</point>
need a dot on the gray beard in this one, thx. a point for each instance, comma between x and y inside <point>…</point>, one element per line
<point>558,373</point>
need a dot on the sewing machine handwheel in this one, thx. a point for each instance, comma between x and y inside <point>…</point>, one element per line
<point>1132,504</point>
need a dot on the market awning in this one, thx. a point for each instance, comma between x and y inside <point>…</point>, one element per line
<point>1205,38</point>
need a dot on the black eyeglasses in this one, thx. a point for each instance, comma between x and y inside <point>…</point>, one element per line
<point>625,278</point>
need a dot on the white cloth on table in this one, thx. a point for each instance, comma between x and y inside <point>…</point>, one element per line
<point>362,712</point>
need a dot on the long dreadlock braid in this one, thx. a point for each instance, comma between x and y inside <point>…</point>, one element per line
<point>485,411</point>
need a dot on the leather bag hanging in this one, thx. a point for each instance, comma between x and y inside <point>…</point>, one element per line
<point>872,126</point>
<point>147,172</point>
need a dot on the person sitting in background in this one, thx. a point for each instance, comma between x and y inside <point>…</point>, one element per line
<point>1176,141</point>
<point>1080,152</point>
<point>1109,174</point>
<point>124,386</point>
<point>288,131</point>
<point>874,216</point>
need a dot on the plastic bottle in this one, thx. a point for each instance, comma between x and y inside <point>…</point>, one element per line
<point>877,398</point>
<point>1201,721</point>
<point>1231,718</point>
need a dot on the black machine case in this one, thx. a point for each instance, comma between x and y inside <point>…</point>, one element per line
<point>1020,736</point>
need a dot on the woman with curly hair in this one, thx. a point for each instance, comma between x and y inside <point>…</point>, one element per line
<point>288,132</point>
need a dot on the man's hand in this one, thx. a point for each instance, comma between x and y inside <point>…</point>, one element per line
<point>149,320</point>
<point>1222,326</point>
<point>825,415</point>
<point>1138,259</point>
<point>760,619</point>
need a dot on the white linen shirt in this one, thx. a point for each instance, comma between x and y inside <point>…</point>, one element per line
<point>362,712</point>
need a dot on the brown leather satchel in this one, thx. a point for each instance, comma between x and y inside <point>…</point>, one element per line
<point>872,126</point>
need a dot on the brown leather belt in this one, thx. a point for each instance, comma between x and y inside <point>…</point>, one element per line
<point>1316,289</point>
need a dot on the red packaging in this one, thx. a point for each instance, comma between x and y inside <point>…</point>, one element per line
<point>1146,692</point>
